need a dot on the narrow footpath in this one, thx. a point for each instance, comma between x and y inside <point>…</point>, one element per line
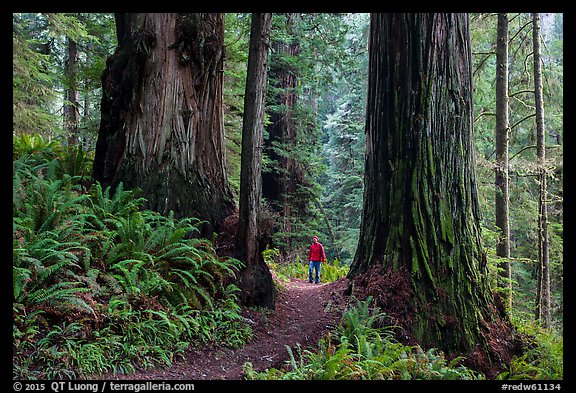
<point>304,314</point>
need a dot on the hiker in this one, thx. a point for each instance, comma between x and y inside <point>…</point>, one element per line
<point>316,255</point>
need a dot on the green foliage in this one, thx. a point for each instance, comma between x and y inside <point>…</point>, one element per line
<point>40,54</point>
<point>101,285</point>
<point>342,112</point>
<point>236,38</point>
<point>309,51</point>
<point>28,144</point>
<point>35,149</point>
<point>523,182</point>
<point>33,77</point>
<point>543,358</point>
<point>333,271</point>
<point>363,347</point>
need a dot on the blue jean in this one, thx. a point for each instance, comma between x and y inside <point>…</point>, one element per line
<point>314,265</point>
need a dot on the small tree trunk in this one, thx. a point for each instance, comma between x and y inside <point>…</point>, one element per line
<point>162,124</point>
<point>255,279</point>
<point>543,291</point>
<point>86,119</point>
<point>72,96</point>
<point>501,169</point>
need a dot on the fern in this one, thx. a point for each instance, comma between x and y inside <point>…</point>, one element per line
<point>20,278</point>
<point>121,204</point>
<point>128,276</point>
<point>139,286</point>
<point>30,145</point>
<point>62,296</point>
<point>361,349</point>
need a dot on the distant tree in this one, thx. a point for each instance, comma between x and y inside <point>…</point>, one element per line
<point>162,117</point>
<point>280,183</point>
<point>543,303</point>
<point>343,112</point>
<point>93,53</point>
<point>306,56</point>
<point>71,93</point>
<point>58,59</point>
<point>236,41</point>
<point>502,194</point>
<point>34,76</point>
<point>255,278</point>
<point>420,220</point>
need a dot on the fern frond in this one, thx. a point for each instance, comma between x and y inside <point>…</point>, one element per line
<point>20,278</point>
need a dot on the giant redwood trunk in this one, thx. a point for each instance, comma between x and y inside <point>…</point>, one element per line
<point>420,222</point>
<point>162,120</point>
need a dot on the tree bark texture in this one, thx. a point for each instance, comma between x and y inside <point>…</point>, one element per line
<point>255,279</point>
<point>421,212</point>
<point>162,117</point>
<point>543,290</point>
<point>501,169</point>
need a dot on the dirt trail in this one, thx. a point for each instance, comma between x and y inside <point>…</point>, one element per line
<point>304,313</point>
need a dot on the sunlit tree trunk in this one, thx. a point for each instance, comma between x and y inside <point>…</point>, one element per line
<point>255,278</point>
<point>543,290</point>
<point>501,169</point>
<point>420,221</point>
<point>162,115</point>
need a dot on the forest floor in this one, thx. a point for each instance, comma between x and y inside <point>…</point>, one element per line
<point>304,314</point>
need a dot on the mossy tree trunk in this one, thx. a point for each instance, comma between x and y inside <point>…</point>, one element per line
<point>501,170</point>
<point>421,212</point>
<point>162,116</point>
<point>255,278</point>
<point>543,301</point>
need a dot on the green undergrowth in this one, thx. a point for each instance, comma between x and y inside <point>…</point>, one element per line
<point>101,285</point>
<point>363,348</point>
<point>543,357</point>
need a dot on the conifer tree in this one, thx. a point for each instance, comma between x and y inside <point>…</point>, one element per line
<point>420,222</point>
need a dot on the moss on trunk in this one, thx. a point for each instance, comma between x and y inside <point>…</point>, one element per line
<point>421,213</point>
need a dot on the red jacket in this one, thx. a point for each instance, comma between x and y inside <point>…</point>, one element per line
<point>316,253</point>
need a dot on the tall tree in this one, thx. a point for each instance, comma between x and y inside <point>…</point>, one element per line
<point>420,220</point>
<point>543,289</point>
<point>162,118</point>
<point>280,184</point>
<point>501,168</point>
<point>255,278</point>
